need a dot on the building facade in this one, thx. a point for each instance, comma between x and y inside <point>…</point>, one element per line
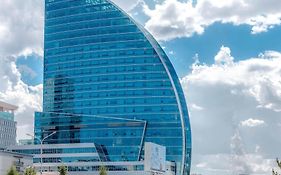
<point>7,125</point>
<point>19,161</point>
<point>86,159</point>
<point>108,82</point>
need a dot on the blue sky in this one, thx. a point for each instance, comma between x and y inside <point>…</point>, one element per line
<point>31,68</point>
<point>226,53</point>
<point>243,45</point>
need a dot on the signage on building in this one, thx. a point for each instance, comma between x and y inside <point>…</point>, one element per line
<point>155,158</point>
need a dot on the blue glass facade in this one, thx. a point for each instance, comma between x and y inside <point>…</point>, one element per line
<point>107,81</point>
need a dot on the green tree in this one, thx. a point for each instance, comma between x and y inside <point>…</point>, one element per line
<point>62,170</point>
<point>30,171</point>
<point>279,165</point>
<point>12,171</point>
<point>103,170</point>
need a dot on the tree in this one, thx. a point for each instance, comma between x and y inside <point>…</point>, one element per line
<point>103,170</point>
<point>12,171</point>
<point>62,170</point>
<point>279,165</point>
<point>30,171</point>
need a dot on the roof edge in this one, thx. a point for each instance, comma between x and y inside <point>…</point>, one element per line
<point>8,106</point>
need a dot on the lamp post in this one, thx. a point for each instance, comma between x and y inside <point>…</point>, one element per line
<point>41,147</point>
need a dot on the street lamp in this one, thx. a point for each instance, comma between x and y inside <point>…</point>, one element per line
<point>41,147</point>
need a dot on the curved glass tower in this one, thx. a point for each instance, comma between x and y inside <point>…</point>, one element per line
<point>107,81</point>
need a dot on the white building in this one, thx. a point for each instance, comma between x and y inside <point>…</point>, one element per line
<point>7,125</point>
<point>86,159</point>
<point>9,159</point>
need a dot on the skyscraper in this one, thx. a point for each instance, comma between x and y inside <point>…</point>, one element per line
<point>107,81</point>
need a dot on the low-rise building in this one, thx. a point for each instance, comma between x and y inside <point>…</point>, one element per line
<point>86,159</point>
<point>18,160</point>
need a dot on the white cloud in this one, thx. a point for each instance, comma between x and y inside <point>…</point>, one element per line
<point>259,77</point>
<point>202,165</point>
<point>224,56</point>
<point>252,122</point>
<point>196,107</point>
<point>21,34</point>
<point>13,90</point>
<point>227,164</point>
<point>257,148</point>
<point>174,18</point>
<point>230,91</point>
<point>21,27</point>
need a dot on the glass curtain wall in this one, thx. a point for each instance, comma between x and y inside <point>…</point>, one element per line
<point>107,81</point>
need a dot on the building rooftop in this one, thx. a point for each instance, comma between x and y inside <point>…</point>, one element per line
<point>10,153</point>
<point>7,107</point>
<point>7,111</point>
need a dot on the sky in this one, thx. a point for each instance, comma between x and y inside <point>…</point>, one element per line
<point>226,53</point>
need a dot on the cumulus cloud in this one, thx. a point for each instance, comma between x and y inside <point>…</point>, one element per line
<point>252,122</point>
<point>21,27</point>
<point>224,56</point>
<point>174,18</point>
<point>13,90</point>
<point>231,93</point>
<point>21,34</point>
<point>259,77</point>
